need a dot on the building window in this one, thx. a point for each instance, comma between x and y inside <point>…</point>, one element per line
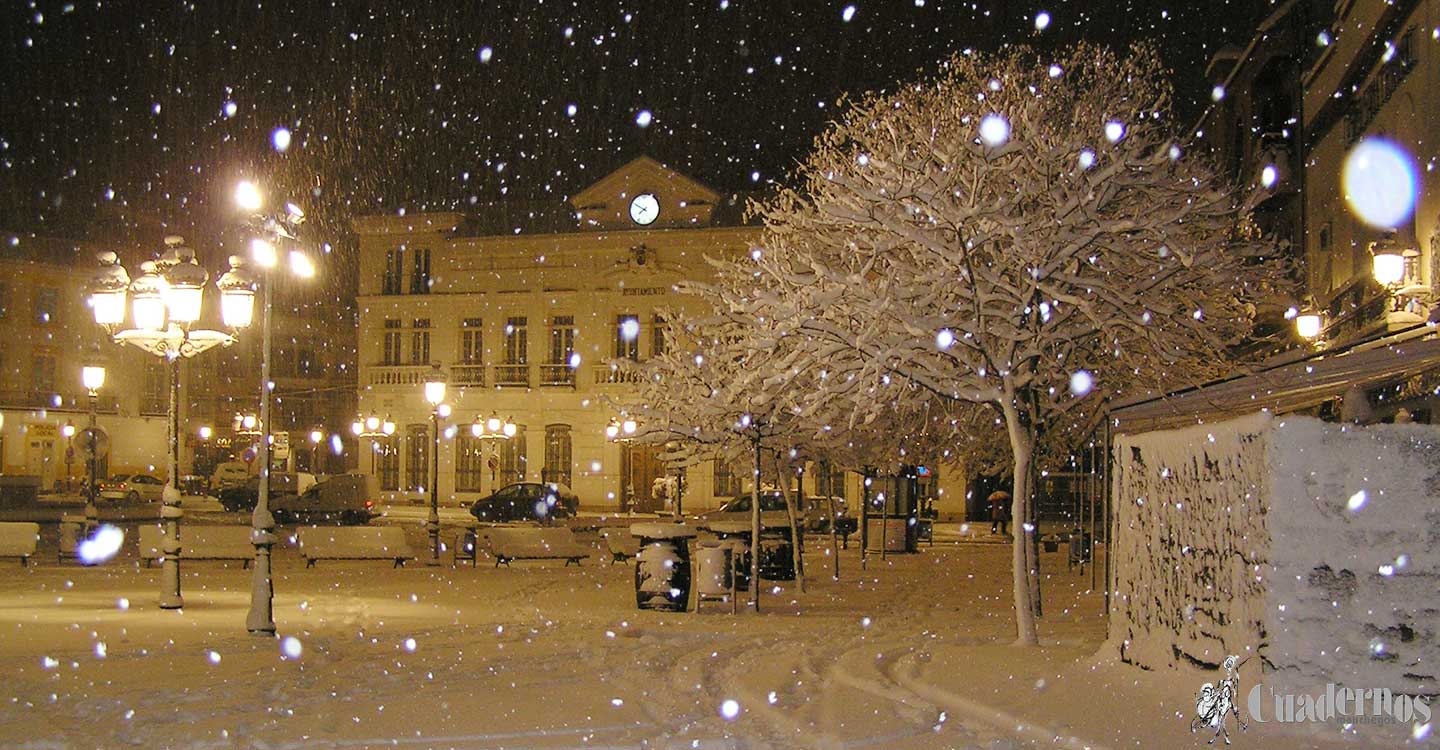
<point>420,272</point>
<point>472,342</point>
<point>557,454</point>
<point>657,336</point>
<point>516,342</point>
<point>725,483</point>
<point>513,458</point>
<point>562,339</point>
<point>47,305</point>
<point>153,399</point>
<point>42,373</point>
<point>627,337</point>
<point>420,342</point>
<point>387,464</point>
<point>392,342</point>
<point>417,457</point>
<point>394,271</point>
<point>469,462</point>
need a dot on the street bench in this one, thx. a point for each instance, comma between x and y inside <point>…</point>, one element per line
<point>17,539</point>
<point>621,544</point>
<point>359,543</point>
<point>535,543</point>
<point>199,543</point>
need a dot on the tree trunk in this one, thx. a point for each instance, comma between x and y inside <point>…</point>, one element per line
<point>783,474</point>
<point>1023,578</point>
<point>755,533</point>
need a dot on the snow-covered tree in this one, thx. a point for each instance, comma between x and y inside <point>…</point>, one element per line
<point>1020,231</point>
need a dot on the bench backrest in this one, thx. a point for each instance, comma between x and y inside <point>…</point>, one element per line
<point>17,538</point>
<point>532,540</point>
<point>199,542</point>
<point>620,541</point>
<point>357,542</point>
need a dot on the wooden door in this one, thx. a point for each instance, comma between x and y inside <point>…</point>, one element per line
<point>640,467</point>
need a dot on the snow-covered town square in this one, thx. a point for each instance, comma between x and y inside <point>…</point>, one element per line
<point>726,374</point>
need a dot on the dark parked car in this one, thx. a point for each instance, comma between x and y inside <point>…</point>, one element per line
<point>526,501</point>
<point>243,496</point>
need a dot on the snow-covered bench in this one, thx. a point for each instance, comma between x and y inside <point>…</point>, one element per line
<point>359,543</point>
<point>17,539</point>
<point>621,544</point>
<point>535,543</point>
<point>199,543</point>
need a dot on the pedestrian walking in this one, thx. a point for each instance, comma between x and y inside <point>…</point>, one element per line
<point>999,512</point>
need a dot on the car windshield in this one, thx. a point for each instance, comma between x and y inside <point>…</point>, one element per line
<point>119,477</point>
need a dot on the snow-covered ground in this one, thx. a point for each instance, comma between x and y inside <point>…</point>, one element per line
<point>911,653</point>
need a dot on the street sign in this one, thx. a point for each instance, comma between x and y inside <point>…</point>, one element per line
<point>94,443</point>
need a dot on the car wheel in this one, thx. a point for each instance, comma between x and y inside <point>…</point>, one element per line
<point>133,497</point>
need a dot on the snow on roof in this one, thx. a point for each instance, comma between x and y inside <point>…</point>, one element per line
<point>1290,385</point>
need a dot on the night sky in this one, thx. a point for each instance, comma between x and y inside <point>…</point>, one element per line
<point>121,121</point>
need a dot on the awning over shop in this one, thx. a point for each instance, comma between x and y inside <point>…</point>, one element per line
<point>1288,385</point>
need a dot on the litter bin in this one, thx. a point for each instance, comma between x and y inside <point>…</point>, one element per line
<point>662,567</point>
<point>71,528</point>
<point>736,536</point>
<point>715,572</point>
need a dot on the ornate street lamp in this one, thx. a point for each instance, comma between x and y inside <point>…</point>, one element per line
<point>273,231</point>
<point>490,432</point>
<point>165,304</point>
<point>435,396</point>
<point>93,378</point>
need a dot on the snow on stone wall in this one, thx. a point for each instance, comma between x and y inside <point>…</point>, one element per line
<point>1354,597</point>
<point>1190,543</point>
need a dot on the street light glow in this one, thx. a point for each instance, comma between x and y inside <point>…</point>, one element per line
<point>301,265</point>
<point>248,196</point>
<point>263,253</point>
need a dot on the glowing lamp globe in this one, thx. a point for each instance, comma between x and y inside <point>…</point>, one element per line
<point>1307,325</point>
<point>237,295</point>
<point>92,377</point>
<point>1389,267</point>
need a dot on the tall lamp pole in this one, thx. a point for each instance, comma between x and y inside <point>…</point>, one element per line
<point>93,378</point>
<point>435,395</point>
<point>165,301</point>
<point>275,230</point>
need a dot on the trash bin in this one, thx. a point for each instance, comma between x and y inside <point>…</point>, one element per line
<point>715,572</point>
<point>736,536</point>
<point>662,568</point>
<point>71,527</point>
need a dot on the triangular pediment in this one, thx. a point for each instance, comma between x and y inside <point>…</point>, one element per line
<point>681,200</point>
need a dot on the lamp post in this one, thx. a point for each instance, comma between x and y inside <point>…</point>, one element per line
<point>435,395</point>
<point>273,230</point>
<point>374,429</point>
<point>622,432</point>
<point>165,301</point>
<point>490,432</point>
<point>316,435</point>
<point>93,378</point>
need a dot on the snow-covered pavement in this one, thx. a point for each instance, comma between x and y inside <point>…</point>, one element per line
<point>911,653</point>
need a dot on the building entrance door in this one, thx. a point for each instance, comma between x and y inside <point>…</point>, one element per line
<point>640,467</point>
<point>40,454</point>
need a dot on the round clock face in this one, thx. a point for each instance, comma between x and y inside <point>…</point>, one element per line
<point>644,209</point>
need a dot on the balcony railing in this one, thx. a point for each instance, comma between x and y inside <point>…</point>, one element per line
<point>467,375</point>
<point>606,375</point>
<point>399,374</point>
<point>557,375</point>
<point>512,376</point>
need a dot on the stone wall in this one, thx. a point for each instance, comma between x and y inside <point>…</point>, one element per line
<point>1190,543</point>
<point>1354,597</point>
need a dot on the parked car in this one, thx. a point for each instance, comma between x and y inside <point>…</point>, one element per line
<point>244,496</point>
<point>772,510</point>
<point>229,474</point>
<point>343,499</point>
<point>818,514</point>
<point>526,501</point>
<point>132,487</point>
